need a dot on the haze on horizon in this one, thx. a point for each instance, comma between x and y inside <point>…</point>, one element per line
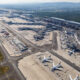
<point>33,1</point>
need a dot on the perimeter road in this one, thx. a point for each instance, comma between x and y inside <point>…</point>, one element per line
<point>66,61</point>
<point>12,62</point>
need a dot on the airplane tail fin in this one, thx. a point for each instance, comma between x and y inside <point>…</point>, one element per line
<point>44,57</point>
<point>77,77</point>
<point>53,64</point>
<point>73,51</point>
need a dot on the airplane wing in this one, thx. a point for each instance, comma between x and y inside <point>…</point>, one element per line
<point>70,77</point>
<point>49,58</point>
<point>77,77</point>
<point>58,65</point>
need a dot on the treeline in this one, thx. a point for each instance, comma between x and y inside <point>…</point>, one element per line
<point>68,15</point>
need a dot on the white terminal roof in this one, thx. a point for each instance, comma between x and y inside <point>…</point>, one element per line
<point>58,18</point>
<point>74,22</point>
<point>66,20</point>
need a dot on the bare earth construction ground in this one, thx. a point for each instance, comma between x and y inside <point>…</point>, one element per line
<point>33,69</point>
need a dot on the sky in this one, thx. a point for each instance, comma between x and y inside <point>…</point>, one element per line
<point>34,1</point>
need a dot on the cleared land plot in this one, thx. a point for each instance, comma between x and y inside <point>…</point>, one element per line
<point>65,70</point>
<point>14,20</point>
<point>33,70</point>
<point>29,34</point>
<point>26,26</point>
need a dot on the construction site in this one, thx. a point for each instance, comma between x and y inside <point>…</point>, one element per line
<point>28,44</point>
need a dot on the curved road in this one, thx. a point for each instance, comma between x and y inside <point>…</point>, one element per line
<point>12,62</point>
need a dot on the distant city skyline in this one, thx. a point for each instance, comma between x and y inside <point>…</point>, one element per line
<point>34,1</point>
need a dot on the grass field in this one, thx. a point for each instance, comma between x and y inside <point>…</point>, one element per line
<point>3,69</point>
<point>1,56</point>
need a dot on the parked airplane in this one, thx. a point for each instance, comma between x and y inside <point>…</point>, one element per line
<point>77,77</point>
<point>46,59</point>
<point>71,52</point>
<point>56,67</point>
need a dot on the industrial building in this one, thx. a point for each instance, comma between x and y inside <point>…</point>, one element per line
<point>20,45</point>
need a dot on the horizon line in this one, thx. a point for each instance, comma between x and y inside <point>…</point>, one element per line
<point>38,2</point>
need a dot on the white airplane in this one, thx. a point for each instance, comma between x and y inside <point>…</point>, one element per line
<point>56,67</point>
<point>46,59</point>
<point>71,52</point>
<point>77,77</point>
